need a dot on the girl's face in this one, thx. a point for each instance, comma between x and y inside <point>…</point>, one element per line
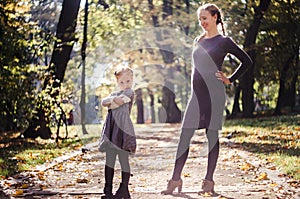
<point>207,21</point>
<point>125,81</point>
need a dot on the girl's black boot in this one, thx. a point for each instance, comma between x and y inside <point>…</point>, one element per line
<point>122,192</point>
<point>109,175</point>
<point>107,191</point>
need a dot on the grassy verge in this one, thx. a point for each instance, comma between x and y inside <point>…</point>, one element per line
<point>17,155</point>
<point>275,138</point>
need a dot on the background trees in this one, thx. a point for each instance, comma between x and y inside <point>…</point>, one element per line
<point>17,77</point>
<point>155,38</point>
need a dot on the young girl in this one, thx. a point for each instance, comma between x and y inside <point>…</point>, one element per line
<point>207,102</point>
<point>118,136</point>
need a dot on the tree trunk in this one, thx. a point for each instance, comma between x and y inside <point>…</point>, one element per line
<point>154,17</point>
<point>287,90</point>
<point>247,80</point>
<point>168,102</point>
<point>104,4</point>
<point>140,106</point>
<point>152,110</point>
<point>65,39</point>
<point>168,99</point>
<point>61,54</point>
<point>236,102</point>
<point>187,10</point>
<point>83,56</point>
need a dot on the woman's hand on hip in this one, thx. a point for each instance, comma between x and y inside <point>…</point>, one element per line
<point>220,76</point>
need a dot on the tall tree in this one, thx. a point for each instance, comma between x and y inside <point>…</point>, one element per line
<point>247,79</point>
<point>288,57</point>
<point>63,45</point>
<point>45,13</point>
<point>168,98</point>
<point>83,57</point>
<point>140,106</point>
<point>16,74</point>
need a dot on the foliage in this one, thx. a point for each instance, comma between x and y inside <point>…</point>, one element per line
<point>115,36</point>
<point>278,48</point>
<point>277,41</point>
<point>16,74</point>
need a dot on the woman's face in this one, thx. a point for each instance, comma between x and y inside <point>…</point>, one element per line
<point>125,81</point>
<point>207,21</point>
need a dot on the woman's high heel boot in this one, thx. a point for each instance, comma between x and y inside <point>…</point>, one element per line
<point>172,185</point>
<point>207,186</point>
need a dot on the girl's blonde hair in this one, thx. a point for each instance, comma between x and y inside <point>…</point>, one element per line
<point>213,10</point>
<point>121,70</point>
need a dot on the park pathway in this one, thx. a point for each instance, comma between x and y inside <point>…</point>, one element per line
<point>239,174</point>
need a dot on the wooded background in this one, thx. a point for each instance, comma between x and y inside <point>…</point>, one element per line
<point>57,58</point>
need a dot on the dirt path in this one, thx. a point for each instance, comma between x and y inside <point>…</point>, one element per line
<point>239,174</point>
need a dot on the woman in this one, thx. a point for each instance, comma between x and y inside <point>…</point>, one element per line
<point>207,102</point>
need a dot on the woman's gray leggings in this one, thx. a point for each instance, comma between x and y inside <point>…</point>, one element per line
<point>183,151</point>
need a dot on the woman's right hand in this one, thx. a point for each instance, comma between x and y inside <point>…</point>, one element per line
<point>220,76</point>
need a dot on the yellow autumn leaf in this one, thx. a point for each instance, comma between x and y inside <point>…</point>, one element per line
<point>19,192</point>
<point>88,171</point>
<point>262,176</point>
<point>273,184</point>
<point>206,194</point>
<point>247,180</point>
<point>247,166</point>
<point>59,168</point>
<point>42,186</point>
<point>187,175</point>
<point>25,186</point>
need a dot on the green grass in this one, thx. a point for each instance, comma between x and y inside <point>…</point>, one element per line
<point>17,155</point>
<point>275,138</point>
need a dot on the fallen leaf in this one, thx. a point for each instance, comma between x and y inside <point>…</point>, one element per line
<point>82,180</point>
<point>59,168</point>
<point>273,184</point>
<point>41,177</point>
<point>206,194</point>
<point>19,192</point>
<point>246,167</point>
<point>25,186</point>
<point>262,176</point>
<point>272,167</point>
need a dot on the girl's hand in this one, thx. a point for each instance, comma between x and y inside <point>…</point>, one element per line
<point>119,101</point>
<point>220,76</point>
